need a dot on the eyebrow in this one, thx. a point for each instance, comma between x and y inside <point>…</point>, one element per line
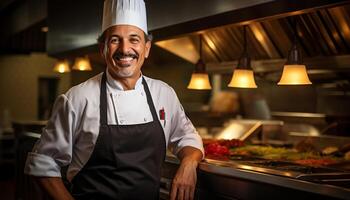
<point>131,35</point>
<point>135,35</point>
<point>113,35</point>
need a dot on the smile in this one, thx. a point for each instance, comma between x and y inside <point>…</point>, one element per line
<point>125,59</point>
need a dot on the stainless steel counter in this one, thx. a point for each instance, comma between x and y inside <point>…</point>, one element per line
<point>263,177</point>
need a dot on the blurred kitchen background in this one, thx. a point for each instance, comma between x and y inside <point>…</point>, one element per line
<point>38,36</point>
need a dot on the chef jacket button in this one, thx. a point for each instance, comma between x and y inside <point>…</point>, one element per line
<point>121,121</point>
<point>144,119</point>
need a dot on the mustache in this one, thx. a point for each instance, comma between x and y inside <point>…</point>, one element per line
<point>119,55</point>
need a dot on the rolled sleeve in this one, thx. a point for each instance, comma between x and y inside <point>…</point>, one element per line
<point>41,165</point>
<point>192,140</point>
<point>183,133</point>
<point>54,148</point>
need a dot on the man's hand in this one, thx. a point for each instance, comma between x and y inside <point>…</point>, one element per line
<point>184,183</point>
<point>54,187</point>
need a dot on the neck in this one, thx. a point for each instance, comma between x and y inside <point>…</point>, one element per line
<point>127,83</point>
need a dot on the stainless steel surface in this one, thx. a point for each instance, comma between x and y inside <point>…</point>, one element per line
<point>246,130</point>
<point>270,178</point>
<point>191,10</point>
<point>239,129</point>
<point>323,34</point>
<point>322,189</point>
<point>241,12</point>
<point>290,180</point>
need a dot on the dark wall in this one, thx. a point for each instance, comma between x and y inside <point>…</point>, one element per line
<point>307,99</point>
<point>290,98</point>
<point>73,24</point>
<point>335,104</point>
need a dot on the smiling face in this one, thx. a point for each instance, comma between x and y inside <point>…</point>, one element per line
<point>125,49</point>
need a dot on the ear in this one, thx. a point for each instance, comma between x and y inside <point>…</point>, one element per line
<point>101,48</point>
<point>147,48</point>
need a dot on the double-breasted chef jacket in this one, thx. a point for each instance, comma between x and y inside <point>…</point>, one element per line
<point>71,133</point>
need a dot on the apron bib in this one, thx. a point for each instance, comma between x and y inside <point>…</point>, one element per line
<point>126,160</point>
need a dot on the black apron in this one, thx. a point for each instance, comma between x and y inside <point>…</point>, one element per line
<point>126,160</point>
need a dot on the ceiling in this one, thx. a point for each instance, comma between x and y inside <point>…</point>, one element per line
<point>22,22</point>
<point>32,39</point>
<point>324,32</point>
<point>323,35</point>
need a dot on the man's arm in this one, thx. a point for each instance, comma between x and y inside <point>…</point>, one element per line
<point>54,187</point>
<point>53,150</point>
<point>184,183</point>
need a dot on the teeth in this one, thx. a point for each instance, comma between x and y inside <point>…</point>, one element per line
<point>126,59</point>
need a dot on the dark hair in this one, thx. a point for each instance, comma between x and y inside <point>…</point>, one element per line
<point>102,37</point>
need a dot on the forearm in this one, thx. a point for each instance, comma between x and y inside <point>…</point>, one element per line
<point>184,182</point>
<point>54,187</point>
<point>190,154</point>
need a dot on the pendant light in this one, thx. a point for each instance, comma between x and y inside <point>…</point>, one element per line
<point>199,79</point>
<point>294,72</point>
<point>61,66</point>
<point>243,75</point>
<point>82,64</point>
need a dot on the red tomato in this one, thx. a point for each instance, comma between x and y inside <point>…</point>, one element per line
<point>216,149</point>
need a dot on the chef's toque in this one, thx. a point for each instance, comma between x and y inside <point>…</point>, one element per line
<point>124,12</point>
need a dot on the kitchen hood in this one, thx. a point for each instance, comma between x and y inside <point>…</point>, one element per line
<point>323,34</point>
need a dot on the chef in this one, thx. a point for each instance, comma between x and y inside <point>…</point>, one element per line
<point>112,131</point>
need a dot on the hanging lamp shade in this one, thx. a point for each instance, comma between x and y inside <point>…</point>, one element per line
<point>62,66</point>
<point>200,78</point>
<point>243,75</point>
<point>294,71</point>
<point>294,75</point>
<point>82,64</point>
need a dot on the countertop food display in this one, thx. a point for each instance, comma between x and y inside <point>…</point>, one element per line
<point>226,150</point>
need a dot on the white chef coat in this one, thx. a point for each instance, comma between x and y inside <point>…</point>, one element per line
<point>71,132</point>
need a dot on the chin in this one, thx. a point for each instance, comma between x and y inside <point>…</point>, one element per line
<point>122,74</point>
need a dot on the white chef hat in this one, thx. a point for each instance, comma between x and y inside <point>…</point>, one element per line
<point>124,12</point>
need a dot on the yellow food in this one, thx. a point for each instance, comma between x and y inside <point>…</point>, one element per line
<point>329,150</point>
<point>276,153</point>
<point>347,155</point>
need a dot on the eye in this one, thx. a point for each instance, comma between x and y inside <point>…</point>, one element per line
<point>114,40</point>
<point>134,40</point>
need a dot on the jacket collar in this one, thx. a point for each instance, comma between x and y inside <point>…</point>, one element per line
<point>114,84</point>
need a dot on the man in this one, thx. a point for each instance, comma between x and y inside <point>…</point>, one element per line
<point>113,129</point>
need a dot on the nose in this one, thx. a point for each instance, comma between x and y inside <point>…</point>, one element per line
<point>124,46</point>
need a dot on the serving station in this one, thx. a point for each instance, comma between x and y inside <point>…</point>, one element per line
<point>257,166</point>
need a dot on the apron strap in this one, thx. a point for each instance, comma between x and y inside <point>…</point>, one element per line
<point>152,108</point>
<point>149,99</point>
<point>103,101</point>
